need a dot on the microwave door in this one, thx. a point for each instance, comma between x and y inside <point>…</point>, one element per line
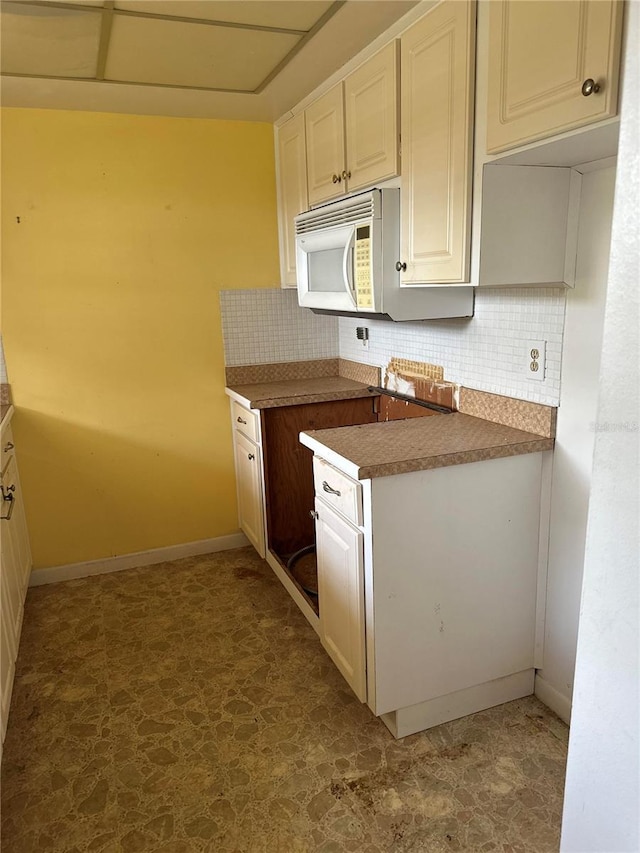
<point>322,263</point>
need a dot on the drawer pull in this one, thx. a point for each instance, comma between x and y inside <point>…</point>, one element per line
<point>241,421</point>
<point>327,488</point>
<point>8,446</point>
<point>8,497</point>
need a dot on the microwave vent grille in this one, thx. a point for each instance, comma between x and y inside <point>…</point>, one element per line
<point>332,215</point>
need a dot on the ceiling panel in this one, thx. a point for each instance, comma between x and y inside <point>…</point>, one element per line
<point>147,50</point>
<point>47,41</point>
<point>290,14</point>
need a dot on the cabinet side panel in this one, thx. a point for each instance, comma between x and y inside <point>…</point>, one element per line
<point>455,560</point>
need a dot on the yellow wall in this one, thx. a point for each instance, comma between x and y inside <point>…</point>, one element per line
<point>128,228</point>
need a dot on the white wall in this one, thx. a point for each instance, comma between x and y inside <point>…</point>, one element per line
<point>602,794</point>
<point>573,454</point>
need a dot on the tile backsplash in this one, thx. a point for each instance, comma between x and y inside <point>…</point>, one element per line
<point>487,352</point>
<point>263,326</point>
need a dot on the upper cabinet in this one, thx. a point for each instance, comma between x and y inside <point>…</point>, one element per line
<point>352,130</point>
<point>324,124</point>
<point>372,126</point>
<point>292,192</point>
<point>552,67</point>
<point>437,74</point>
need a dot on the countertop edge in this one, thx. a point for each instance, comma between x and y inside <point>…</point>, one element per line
<point>300,399</point>
<point>462,457</point>
<point>7,414</point>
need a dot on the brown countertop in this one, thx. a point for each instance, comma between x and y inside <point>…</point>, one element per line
<point>398,447</point>
<point>292,392</point>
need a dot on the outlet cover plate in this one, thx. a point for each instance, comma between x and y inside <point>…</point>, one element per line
<point>535,360</point>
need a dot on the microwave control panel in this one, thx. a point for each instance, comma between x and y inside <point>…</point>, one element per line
<point>362,265</point>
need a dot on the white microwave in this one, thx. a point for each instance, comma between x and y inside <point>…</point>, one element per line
<point>348,263</point>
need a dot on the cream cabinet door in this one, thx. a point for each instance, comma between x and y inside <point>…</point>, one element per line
<point>8,649</point>
<point>437,74</point>
<point>292,192</point>
<point>341,596</point>
<point>541,55</point>
<point>324,125</point>
<point>249,486</point>
<point>371,106</point>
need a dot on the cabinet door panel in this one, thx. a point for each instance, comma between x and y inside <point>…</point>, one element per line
<point>341,596</point>
<point>292,189</point>
<point>324,124</point>
<point>249,484</point>
<point>371,105</point>
<point>437,108</point>
<point>540,53</point>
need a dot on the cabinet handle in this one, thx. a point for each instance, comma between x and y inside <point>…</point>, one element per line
<point>336,179</point>
<point>400,266</point>
<point>8,446</point>
<point>8,497</point>
<point>250,456</point>
<point>590,87</point>
<point>240,421</point>
<point>327,488</point>
<point>346,174</point>
<point>313,513</point>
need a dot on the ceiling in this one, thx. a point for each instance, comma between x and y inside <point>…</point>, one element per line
<point>247,59</point>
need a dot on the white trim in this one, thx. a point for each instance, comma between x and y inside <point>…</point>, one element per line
<point>53,574</point>
<point>553,699</point>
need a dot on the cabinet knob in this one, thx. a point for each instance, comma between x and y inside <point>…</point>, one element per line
<point>313,513</point>
<point>8,446</point>
<point>345,175</point>
<point>336,179</point>
<point>400,266</point>
<point>250,456</point>
<point>589,87</point>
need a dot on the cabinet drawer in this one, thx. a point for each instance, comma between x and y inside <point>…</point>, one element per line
<point>245,421</point>
<point>338,490</point>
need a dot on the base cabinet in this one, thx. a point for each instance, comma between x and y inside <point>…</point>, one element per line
<point>432,598</point>
<point>248,456</point>
<point>341,595</point>
<point>15,568</point>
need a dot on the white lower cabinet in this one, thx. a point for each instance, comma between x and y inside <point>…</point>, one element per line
<point>428,608</point>
<point>15,568</point>
<point>249,489</point>
<point>341,595</point>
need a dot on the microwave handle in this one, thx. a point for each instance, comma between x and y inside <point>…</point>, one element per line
<point>347,268</point>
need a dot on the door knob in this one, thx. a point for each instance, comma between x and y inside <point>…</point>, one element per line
<point>400,266</point>
<point>589,87</point>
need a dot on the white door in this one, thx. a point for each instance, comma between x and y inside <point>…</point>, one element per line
<point>292,192</point>
<point>324,125</point>
<point>372,126</point>
<point>540,57</point>
<point>437,55</point>
<point>249,485</point>
<point>341,596</point>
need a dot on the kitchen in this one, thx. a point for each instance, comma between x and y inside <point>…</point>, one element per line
<point>111,340</point>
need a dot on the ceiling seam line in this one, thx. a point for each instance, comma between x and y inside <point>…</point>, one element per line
<point>128,83</point>
<point>105,38</point>
<point>158,17</point>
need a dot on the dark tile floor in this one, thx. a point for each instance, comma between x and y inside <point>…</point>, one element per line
<point>190,707</point>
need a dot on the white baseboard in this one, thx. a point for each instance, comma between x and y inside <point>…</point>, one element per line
<point>54,574</point>
<point>553,699</point>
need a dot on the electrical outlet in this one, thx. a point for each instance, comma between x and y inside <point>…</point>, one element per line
<point>536,356</point>
<point>362,334</point>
